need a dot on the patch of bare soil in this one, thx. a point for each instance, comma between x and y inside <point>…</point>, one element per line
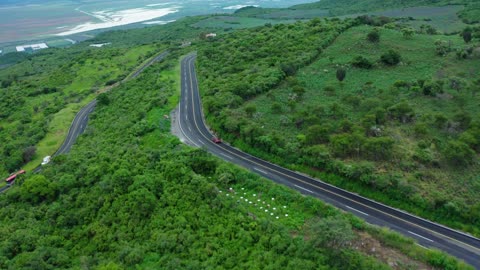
<point>394,258</point>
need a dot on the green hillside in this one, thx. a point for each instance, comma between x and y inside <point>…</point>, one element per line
<point>445,16</point>
<point>43,91</point>
<point>344,7</point>
<point>34,91</point>
<point>403,131</point>
<point>401,127</point>
<point>130,196</point>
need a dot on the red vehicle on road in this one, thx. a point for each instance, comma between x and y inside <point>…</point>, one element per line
<point>216,140</point>
<point>13,176</point>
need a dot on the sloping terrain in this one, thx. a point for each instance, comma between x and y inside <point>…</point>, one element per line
<point>400,128</point>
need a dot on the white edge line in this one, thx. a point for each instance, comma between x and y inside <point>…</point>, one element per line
<point>351,208</point>
<point>308,190</point>
<point>423,237</point>
<point>277,168</point>
<point>421,246</point>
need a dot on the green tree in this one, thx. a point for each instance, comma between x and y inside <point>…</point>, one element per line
<point>37,188</point>
<point>373,36</point>
<point>467,35</point>
<point>276,107</point>
<point>28,153</point>
<point>408,32</point>
<point>344,145</point>
<point>330,232</point>
<point>103,99</point>
<point>442,47</point>
<point>458,153</point>
<point>341,74</point>
<point>298,90</point>
<point>317,134</point>
<point>250,109</point>
<point>391,58</point>
<point>362,62</point>
<point>379,148</point>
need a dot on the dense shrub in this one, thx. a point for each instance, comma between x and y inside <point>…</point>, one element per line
<point>362,62</point>
<point>373,36</point>
<point>390,58</point>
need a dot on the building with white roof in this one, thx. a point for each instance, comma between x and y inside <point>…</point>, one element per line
<point>33,47</point>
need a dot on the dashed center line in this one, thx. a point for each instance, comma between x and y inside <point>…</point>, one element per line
<point>351,208</point>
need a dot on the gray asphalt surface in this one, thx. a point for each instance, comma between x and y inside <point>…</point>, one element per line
<point>76,128</point>
<point>427,234</point>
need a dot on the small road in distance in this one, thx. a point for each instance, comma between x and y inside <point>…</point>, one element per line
<point>80,121</point>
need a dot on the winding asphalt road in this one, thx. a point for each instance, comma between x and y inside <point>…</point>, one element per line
<point>428,234</point>
<point>81,118</point>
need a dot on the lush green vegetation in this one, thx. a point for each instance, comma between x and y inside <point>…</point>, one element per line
<point>343,7</point>
<point>255,61</point>
<point>234,22</point>
<point>400,126</point>
<point>38,92</point>
<point>129,195</point>
<point>445,16</point>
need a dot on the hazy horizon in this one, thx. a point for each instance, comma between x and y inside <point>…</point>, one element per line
<point>35,19</point>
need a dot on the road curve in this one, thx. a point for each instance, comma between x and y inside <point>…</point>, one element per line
<point>76,128</point>
<point>428,234</point>
<point>4,188</point>
<point>149,63</point>
<point>81,118</point>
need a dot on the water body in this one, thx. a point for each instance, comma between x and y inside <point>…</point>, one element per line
<point>35,19</point>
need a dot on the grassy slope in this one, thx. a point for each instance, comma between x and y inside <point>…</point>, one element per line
<point>232,22</point>
<point>419,62</point>
<point>75,82</point>
<point>87,72</point>
<point>61,121</point>
<point>142,202</point>
<point>470,14</point>
<point>445,16</point>
<point>343,7</point>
